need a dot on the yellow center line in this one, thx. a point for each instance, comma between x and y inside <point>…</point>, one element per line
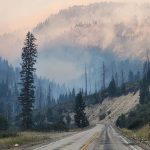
<point>90,141</point>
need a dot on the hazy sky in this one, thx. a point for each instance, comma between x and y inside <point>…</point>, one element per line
<point>19,14</point>
<point>25,14</point>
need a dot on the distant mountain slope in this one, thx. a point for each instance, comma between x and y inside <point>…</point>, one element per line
<point>121,28</point>
<point>86,35</point>
<point>117,27</point>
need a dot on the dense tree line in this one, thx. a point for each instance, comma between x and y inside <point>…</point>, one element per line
<point>115,90</point>
<point>68,96</point>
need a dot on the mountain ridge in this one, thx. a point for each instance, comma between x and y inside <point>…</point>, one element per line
<point>74,34</point>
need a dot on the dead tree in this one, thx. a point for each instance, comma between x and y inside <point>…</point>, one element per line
<point>85,81</point>
<point>104,76</point>
<point>116,78</point>
<point>122,77</point>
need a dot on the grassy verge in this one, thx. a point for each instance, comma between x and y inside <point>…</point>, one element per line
<point>5,134</point>
<point>30,138</point>
<point>140,136</point>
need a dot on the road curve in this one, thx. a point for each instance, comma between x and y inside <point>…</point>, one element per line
<point>101,137</point>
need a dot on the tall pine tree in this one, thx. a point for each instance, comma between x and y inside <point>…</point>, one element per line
<point>80,116</point>
<point>26,98</point>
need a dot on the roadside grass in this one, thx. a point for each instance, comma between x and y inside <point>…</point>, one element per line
<point>30,138</point>
<point>5,134</point>
<point>8,139</point>
<point>21,139</point>
<point>142,134</point>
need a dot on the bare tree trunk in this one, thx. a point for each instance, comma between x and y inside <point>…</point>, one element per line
<point>104,74</point>
<point>122,77</point>
<point>85,81</point>
<point>116,79</point>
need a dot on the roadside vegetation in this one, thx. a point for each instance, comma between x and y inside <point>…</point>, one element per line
<point>140,116</point>
<point>141,134</point>
<point>136,124</point>
<point>27,139</point>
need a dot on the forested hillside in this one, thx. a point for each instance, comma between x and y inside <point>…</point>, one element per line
<point>47,92</point>
<point>139,116</point>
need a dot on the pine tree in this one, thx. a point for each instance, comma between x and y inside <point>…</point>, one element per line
<point>85,82</point>
<point>104,74</point>
<point>3,124</point>
<point>49,98</point>
<point>50,115</point>
<point>131,76</point>
<point>39,95</point>
<point>144,89</point>
<point>123,88</point>
<point>145,83</point>
<point>123,85</point>
<point>27,97</point>
<point>116,79</point>
<point>73,93</point>
<point>122,77</point>
<point>80,116</point>
<point>112,89</point>
<point>121,121</point>
<point>137,76</point>
<point>68,120</point>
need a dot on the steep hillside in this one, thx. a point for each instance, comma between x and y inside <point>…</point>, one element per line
<point>117,106</point>
<point>118,28</point>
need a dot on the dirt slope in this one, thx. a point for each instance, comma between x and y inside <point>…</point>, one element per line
<point>116,106</point>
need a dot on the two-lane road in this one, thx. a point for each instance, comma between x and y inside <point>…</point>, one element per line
<point>101,137</point>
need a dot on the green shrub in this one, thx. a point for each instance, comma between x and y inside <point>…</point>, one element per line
<point>121,121</point>
<point>136,123</point>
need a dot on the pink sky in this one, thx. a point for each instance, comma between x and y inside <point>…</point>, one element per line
<point>19,14</point>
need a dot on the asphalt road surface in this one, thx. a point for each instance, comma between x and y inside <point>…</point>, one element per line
<point>109,139</point>
<point>101,137</point>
